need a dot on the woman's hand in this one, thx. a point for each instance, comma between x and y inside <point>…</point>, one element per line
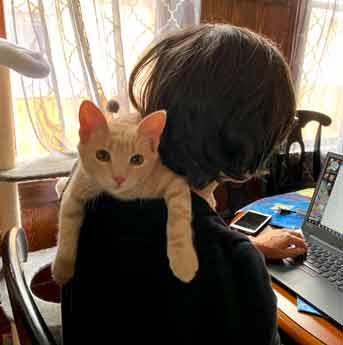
<point>279,243</point>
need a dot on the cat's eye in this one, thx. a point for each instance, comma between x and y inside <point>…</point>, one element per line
<point>137,159</point>
<point>103,155</point>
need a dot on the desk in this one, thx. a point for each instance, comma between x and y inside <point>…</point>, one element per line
<point>305,329</point>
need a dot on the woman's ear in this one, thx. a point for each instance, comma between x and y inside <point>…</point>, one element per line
<point>151,127</point>
<point>91,118</point>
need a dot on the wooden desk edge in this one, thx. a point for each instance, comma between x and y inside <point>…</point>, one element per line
<point>304,328</point>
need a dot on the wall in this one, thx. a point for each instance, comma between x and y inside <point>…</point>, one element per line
<point>277,19</point>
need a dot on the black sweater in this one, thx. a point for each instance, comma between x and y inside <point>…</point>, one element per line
<point>123,291</point>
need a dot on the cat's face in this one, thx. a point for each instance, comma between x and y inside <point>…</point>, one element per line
<point>119,154</point>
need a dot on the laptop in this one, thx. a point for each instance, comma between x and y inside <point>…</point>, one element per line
<point>318,279</point>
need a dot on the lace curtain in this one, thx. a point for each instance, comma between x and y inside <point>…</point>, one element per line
<point>319,70</point>
<point>91,46</point>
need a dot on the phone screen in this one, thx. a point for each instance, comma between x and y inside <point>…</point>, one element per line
<point>251,221</point>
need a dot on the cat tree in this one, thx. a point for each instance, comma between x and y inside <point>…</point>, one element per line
<point>31,64</point>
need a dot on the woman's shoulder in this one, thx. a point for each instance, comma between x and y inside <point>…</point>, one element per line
<point>214,237</point>
<point>207,223</point>
<point>233,248</point>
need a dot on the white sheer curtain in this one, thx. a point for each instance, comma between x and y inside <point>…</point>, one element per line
<point>320,70</point>
<point>91,46</point>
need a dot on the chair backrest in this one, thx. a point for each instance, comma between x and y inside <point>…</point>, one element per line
<point>31,327</point>
<point>291,171</point>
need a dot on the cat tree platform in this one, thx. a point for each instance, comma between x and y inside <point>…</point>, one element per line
<point>40,168</point>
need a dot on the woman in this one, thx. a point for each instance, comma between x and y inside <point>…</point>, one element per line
<point>230,103</point>
<point>219,80</point>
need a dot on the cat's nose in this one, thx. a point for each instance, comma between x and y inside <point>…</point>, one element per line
<point>119,179</point>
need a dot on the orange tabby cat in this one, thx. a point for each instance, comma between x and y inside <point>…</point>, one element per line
<point>121,157</point>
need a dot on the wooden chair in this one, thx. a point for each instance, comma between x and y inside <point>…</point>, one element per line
<point>291,171</point>
<point>37,322</point>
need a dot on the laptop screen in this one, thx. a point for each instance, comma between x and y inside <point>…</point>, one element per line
<point>327,208</point>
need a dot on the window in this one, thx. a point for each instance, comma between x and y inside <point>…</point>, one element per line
<point>91,48</point>
<point>321,83</point>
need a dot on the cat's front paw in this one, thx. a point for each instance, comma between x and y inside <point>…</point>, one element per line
<point>183,262</point>
<point>62,270</point>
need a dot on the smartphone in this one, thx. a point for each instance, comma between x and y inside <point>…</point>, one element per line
<point>251,222</point>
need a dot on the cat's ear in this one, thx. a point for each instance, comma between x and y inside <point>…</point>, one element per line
<point>152,126</point>
<point>91,118</point>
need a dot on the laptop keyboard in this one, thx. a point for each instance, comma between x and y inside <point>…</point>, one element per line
<point>326,264</point>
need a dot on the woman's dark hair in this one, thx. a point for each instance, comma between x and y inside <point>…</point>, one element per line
<point>228,95</point>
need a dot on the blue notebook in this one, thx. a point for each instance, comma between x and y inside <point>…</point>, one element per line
<point>295,203</point>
